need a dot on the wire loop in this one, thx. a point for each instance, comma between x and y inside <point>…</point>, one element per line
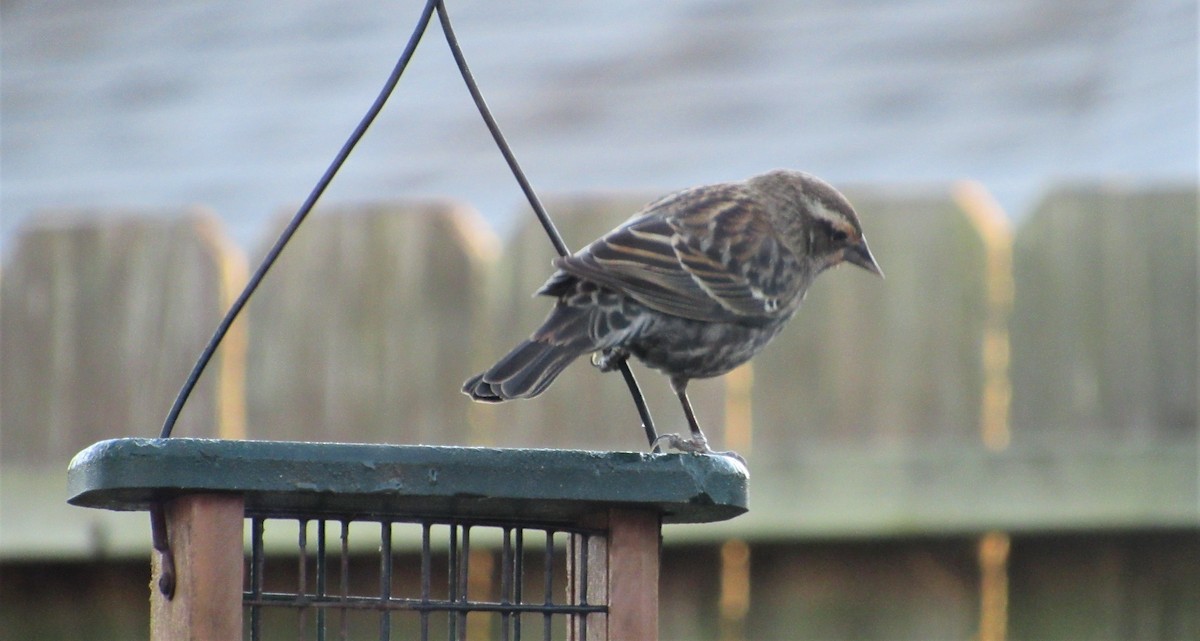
<point>306,207</point>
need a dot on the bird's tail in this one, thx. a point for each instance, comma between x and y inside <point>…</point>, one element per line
<point>534,364</point>
<point>524,373</point>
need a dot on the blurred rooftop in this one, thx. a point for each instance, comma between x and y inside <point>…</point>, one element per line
<point>239,106</point>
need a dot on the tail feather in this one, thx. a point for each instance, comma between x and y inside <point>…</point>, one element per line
<point>524,373</point>
<point>533,365</point>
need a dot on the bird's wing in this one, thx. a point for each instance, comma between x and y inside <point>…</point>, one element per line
<point>707,257</point>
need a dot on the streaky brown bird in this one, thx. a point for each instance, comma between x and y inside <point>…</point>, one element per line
<point>693,285</point>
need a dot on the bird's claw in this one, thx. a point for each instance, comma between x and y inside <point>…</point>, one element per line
<point>695,445</point>
<point>607,360</point>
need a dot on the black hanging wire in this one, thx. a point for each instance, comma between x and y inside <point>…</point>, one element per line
<point>158,522</point>
<point>161,544</point>
<point>301,214</point>
<point>555,238</point>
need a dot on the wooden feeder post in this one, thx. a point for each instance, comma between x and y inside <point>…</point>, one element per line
<point>205,535</point>
<point>610,505</point>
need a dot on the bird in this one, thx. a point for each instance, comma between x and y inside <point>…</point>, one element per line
<point>693,285</point>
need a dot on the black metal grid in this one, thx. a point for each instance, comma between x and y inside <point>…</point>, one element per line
<point>425,580</point>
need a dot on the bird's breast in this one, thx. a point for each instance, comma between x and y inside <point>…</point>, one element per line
<point>699,349</point>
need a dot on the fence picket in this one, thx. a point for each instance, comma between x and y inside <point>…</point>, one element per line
<point>1104,324</point>
<point>103,318</point>
<point>366,326</point>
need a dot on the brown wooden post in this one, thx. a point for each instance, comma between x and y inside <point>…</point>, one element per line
<point>633,554</point>
<point>622,572</point>
<point>205,534</point>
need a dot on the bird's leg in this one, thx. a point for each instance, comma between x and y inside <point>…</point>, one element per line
<point>680,387</point>
<point>697,444</point>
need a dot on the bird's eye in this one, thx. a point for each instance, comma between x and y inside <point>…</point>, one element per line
<point>835,232</point>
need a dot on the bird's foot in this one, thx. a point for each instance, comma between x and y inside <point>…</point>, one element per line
<point>610,359</point>
<point>697,444</point>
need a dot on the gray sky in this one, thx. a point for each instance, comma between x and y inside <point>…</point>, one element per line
<point>240,105</point>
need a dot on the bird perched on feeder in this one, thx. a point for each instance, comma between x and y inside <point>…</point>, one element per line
<point>693,285</point>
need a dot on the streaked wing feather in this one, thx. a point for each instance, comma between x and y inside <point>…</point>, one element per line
<point>682,259</point>
<point>638,260</point>
<point>756,276</point>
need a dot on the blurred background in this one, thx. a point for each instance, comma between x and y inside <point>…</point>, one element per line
<point>240,105</point>
<point>998,441</point>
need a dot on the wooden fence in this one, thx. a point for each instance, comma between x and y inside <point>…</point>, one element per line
<point>1000,440</point>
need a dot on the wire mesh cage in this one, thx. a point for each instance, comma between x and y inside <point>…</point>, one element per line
<point>376,577</point>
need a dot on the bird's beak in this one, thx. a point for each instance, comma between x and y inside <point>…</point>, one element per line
<point>860,255</point>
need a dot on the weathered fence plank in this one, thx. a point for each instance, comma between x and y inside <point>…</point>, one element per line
<point>584,407</point>
<point>103,318</point>
<point>877,363</point>
<point>1104,328</point>
<point>884,591</point>
<point>1109,587</point>
<point>1104,358</point>
<point>689,593</point>
<point>368,325</point>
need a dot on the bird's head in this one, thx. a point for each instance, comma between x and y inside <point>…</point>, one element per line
<point>820,224</point>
